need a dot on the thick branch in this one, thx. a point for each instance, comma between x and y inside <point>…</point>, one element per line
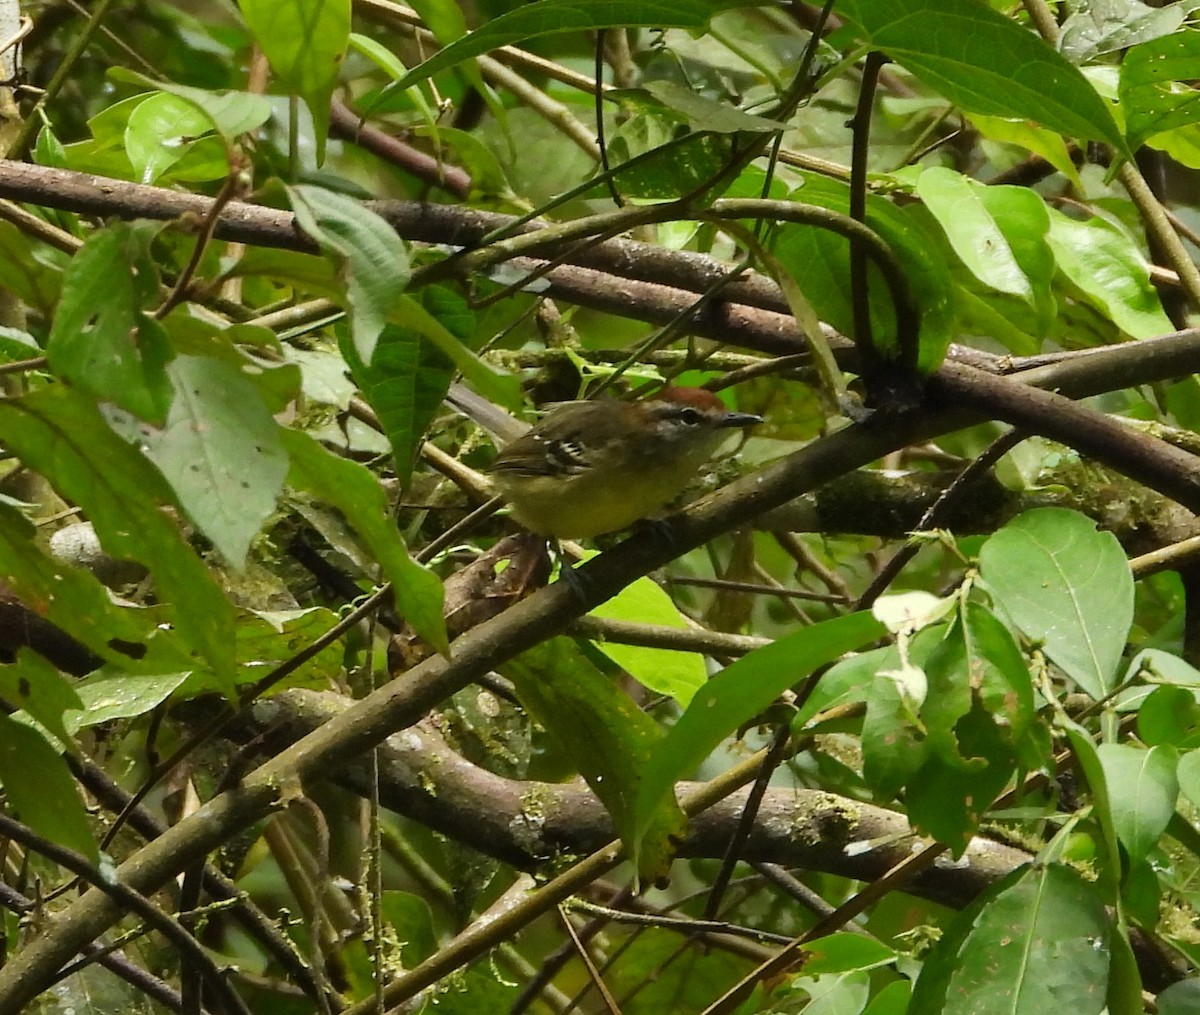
<point>527,823</point>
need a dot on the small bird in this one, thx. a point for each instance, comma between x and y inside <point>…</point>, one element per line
<point>599,466</point>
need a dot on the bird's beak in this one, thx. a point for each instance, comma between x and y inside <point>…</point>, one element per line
<point>740,419</point>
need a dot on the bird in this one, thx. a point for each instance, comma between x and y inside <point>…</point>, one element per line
<point>594,467</point>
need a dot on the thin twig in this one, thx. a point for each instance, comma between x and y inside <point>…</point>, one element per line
<point>859,293</point>
<point>593,973</point>
<point>775,756</point>
<point>938,510</point>
<point>203,237</point>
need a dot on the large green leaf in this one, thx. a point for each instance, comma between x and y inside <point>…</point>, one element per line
<point>1169,715</point>
<point>607,737</point>
<point>352,489</point>
<point>408,376</point>
<point>1098,28</point>
<point>374,258</point>
<point>1067,586</point>
<point>221,453</point>
<point>1181,998</point>
<point>159,133</point>
<point>70,597</point>
<point>35,687</point>
<point>894,745</point>
<point>1157,88</point>
<point>60,433</point>
<point>843,952</point>
<point>680,104</point>
<point>679,674</point>
<point>101,341</point>
<point>948,795</point>
<point>985,63</point>
<point>105,697</point>
<point>1001,679</point>
<point>1143,789</point>
<point>229,113</point>
<point>740,692</point>
<point>957,203</point>
<point>999,234</point>
<point>425,318</point>
<point>1111,270</point>
<point>39,789</point>
<point>1038,941</point>
<point>305,41</point>
<point>547,17</point>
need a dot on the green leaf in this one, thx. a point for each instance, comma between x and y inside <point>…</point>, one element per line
<point>893,743</point>
<point>840,953</point>
<point>848,680</point>
<point>1115,25</point>
<point>949,695</point>
<point>100,340</point>
<point>679,169</point>
<point>59,433</point>
<point>374,258</point>
<point>1182,998</point>
<point>1141,894</point>
<point>1048,144</point>
<point>609,740</point>
<point>442,17</point>
<point>1168,715</point>
<point>408,377</point>
<point>410,920</point>
<point>266,639</point>
<point>548,17</point>
<point>462,148</point>
<point>1142,788</point>
<point>305,42</point>
<point>1111,271</point>
<point>160,132</point>
<point>352,489</point>
<point>1188,774</point>
<point>40,790</point>
<point>684,105</point>
<point>1157,85</point>
<point>1087,758</point>
<point>1002,681</point>
<point>33,277</point>
<point>230,113</point>
<point>34,686</point>
<point>892,1000</point>
<point>1067,586</point>
<point>679,674</point>
<point>499,387</point>
<point>835,993</point>
<point>69,597</point>
<point>949,794</point>
<point>985,63</point>
<point>957,203</point>
<point>1036,942</point>
<point>740,692</point>
<point>1124,978</point>
<point>220,451</point>
<point>108,696</point>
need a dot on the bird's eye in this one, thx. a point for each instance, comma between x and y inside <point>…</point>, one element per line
<point>690,416</point>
